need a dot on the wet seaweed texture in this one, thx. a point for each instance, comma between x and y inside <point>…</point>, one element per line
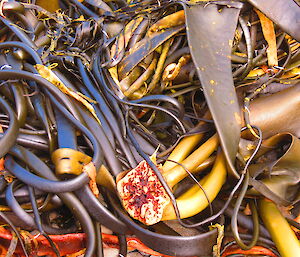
<point>170,128</point>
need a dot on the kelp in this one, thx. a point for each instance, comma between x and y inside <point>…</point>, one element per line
<point>210,86</point>
<point>278,225</point>
<point>144,48</point>
<point>278,179</point>
<point>269,112</point>
<point>210,49</point>
<point>285,14</point>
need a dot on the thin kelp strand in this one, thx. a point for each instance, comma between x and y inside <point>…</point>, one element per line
<point>254,213</point>
<point>15,230</point>
<point>130,103</point>
<point>249,48</point>
<point>38,220</point>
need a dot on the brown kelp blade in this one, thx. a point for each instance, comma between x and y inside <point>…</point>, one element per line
<point>210,31</point>
<point>278,112</point>
<point>279,180</point>
<point>286,14</point>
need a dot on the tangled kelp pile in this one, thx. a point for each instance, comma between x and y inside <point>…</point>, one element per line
<point>175,122</point>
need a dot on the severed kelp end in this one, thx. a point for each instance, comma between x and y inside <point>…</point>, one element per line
<point>142,194</point>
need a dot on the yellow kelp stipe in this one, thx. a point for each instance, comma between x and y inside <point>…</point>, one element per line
<point>194,200</point>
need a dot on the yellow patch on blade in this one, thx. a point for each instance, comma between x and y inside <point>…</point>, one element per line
<point>238,118</point>
<point>270,36</point>
<point>114,74</point>
<point>48,74</point>
<point>295,72</point>
<point>90,169</point>
<point>153,156</point>
<point>81,18</point>
<point>256,73</point>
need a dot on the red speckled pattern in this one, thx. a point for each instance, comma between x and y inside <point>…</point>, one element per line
<point>142,194</point>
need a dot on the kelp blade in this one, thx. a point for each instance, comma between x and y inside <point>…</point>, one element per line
<point>210,30</point>
<point>286,14</point>
<point>279,180</point>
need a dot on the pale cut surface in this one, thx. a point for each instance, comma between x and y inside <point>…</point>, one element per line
<point>142,194</point>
